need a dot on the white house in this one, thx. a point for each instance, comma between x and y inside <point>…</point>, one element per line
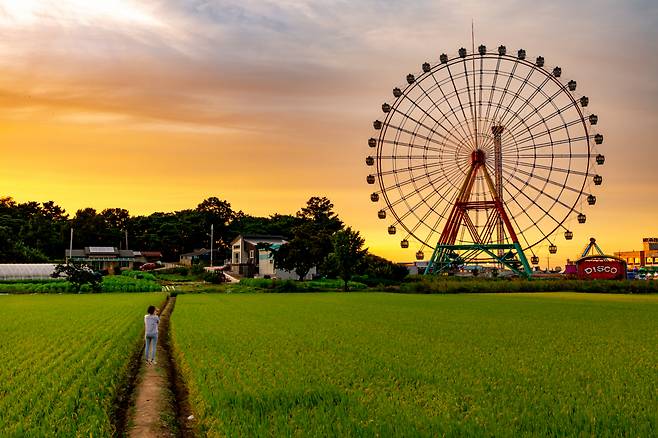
<point>248,260</point>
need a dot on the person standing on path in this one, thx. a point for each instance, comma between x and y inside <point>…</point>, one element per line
<point>151,321</point>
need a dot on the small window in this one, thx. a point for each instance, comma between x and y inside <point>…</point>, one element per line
<point>637,260</point>
<point>251,254</point>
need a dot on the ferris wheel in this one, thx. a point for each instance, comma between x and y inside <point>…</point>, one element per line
<point>483,158</point>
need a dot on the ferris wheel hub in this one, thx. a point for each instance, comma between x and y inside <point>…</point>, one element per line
<point>478,157</point>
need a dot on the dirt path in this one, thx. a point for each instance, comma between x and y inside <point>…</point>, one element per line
<point>153,413</point>
<point>160,407</point>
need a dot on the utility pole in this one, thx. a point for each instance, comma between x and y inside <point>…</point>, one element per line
<point>212,241</point>
<point>70,247</point>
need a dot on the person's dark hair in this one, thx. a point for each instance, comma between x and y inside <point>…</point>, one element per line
<point>151,310</point>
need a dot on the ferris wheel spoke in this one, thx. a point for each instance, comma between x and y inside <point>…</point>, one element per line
<point>546,212</point>
<point>545,180</point>
<point>553,143</point>
<point>556,129</point>
<point>413,145</point>
<point>400,184</point>
<point>489,139</point>
<point>504,92</point>
<point>554,156</point>
<point>493,87</point>
<point>479,119</point>
<point>399,170</point>
<point>541,192</point>
<point>548,100</point>
<point>556,169</point>
<point>446,139</point>
<point>461,106</point>
<point>471,103</point>
<point>524,210</point>
<point>452,132</point>
<point>537,89</point>
<point>408,157</point>
<point>432,209</point>
<point>452,110</point>
<point>557,111</point>
<point>515,97</point>
<point>403,197</point>
<point>448,203</point>
<point>552,115</point>
<point>496,119</point>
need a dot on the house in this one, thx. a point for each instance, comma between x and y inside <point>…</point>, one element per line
<point>415,268</point>
<point>106,258</point>
<point>102,258</point>
<point>199,256</point>
<point>251,256</point>
<point>147,256</point>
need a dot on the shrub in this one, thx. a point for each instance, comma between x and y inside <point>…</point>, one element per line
<point>214,277</point>
<point>178,270</point>
<point>197,269</point>
<point>139,275</point>
<point>442,285</point>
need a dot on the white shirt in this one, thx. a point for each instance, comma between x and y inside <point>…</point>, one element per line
<point>151,324</point>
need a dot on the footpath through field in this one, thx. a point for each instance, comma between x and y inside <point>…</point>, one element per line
<point>158,409</point>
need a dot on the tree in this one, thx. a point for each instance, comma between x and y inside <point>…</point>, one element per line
<point>348,254</point>
<point>320,212</point>
<point>378,268</point>
<point>301,253</point>
<point>79,275</point>
<point>89,228</point>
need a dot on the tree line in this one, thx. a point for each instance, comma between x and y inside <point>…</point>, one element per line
<point>39,232</point>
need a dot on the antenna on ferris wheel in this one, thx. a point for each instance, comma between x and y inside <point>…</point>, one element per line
<point>475,109</point>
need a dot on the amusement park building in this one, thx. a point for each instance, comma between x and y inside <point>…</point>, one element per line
<point>648,256</point>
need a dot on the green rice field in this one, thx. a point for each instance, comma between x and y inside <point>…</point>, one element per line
<point>375,364</point>
<point>62,360</point>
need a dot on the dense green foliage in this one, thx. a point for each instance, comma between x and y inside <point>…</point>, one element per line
<point>79,275</point>
<point>63,360</point>
<point>310,240</point>
<point>406,365</point>
<point>267,285</point>
<point>31,232</point>
<point>347,254</point>
<point>112,283</point>
<point>450,285</point>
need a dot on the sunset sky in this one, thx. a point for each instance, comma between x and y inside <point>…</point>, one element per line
<point>154,105</point>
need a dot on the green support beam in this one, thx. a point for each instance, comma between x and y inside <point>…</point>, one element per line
<point>441,259</point>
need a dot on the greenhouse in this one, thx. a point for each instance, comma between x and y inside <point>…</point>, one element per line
<point>26,271</point>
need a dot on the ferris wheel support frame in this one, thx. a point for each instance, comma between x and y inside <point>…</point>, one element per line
<point>444,257</point>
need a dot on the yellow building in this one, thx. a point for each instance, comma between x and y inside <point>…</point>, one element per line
<point>647,257</point>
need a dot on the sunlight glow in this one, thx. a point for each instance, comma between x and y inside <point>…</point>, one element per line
<point>26,13</point>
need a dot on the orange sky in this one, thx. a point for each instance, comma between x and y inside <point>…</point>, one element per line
<point>153,106</point>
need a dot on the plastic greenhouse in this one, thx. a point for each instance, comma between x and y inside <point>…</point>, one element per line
<point>26,271</point>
